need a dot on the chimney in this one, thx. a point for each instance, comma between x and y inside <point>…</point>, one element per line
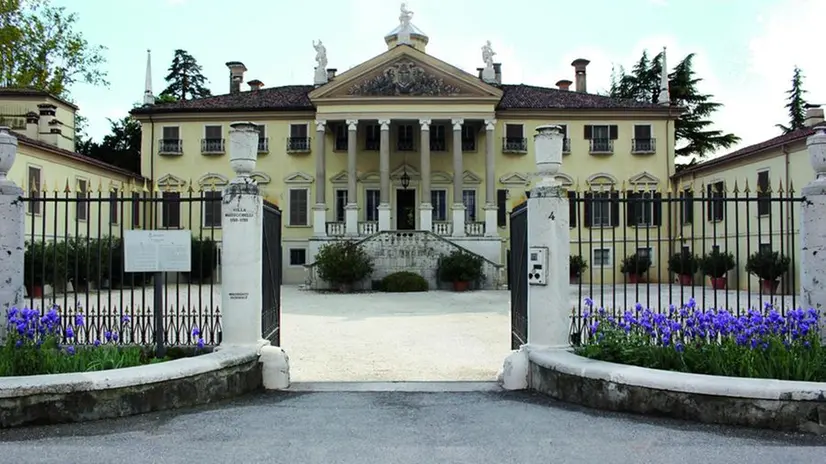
<point>579,70</point>
<point>331,73</point>
<point>480,72</point>
<point>32,120</point>
<point>255,84</point>
<point>47,115</point>
<point>236,75</point>
<point>497,69</point>
<point>564,84</point>
<point>814,116</point>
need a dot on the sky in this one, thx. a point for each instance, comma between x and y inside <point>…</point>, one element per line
<point>745,49</point>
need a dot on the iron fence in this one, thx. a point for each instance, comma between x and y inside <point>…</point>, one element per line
<point>74,263</point>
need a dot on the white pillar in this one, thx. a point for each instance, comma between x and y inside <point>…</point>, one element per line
<point>351,211</point>
<point>384,174</point>
<point>320,207</point>
<point>242,241</point>
<point>491,208</point>
<point>458,179</point>
<point>425,207</point>
<point>813,230</point>
<point>548,233</point>
<point>12,232</point>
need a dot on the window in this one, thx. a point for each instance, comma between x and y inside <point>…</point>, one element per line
<point>371,213</point>
<point>263,143</point>
<point>213,133</point>
<point>34,190</point>
<point>171,142</point>
<point>299,206</point>
<point>515,138</point>
<point>601,209</point>
<point>404,136</point>
<point>643,142</point>
<point>372,137</point>
<point>687,207</point>
<point>573,209</point>
<point>716,202</point>
<point>601,257</point>
<point>644,209</point>
<point>763,194</point>
<point>299,140</point>
<point>469,200</point>
<point>468,137</point>
<point>341,137</point>
<point>566,141</point>
<point>171,133</point>
<point>601,137</point>
<point>341,202</point>
<point>438,141</point>
<point>501,207</point>
<point>171,215</point>
<point>113,207</point>
<point>136,210</point>
<point>82,195</point>
<point>212,209</point>
<point>438,198</point>
<point>298,256</point>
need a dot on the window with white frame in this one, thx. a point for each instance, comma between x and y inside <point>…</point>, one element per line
<point>212,209</point>
<point>373,198</point>
<point>469,200</point>
<point>341,202</point>
<point>263,145</point>
<point>171,213</point>
<point>82,195</point>
<point>646,252</point>
<point>299,204</point>
<point>438,198</point>
<point>34,189</point>
<point>601,209</point>
<point>642,208</point>
<point>601,257</point>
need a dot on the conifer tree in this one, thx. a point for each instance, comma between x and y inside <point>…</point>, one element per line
<point>796,104</point>
<point>185,78</point>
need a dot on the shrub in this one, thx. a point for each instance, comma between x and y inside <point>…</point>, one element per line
<point>758,344</point>
<point>635,264</point>
<point>403,282</point>
<point>576,265</point>
<point>343,263</point>
<point>460,266</point>
<point>717,263</point>
<point>767,265</point>
<point>683,263</point>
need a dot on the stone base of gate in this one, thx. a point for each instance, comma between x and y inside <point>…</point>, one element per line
<point>275,368</point>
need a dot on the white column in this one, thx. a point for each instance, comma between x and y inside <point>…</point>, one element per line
<point>425,207</point>
<point>320,207</point>
<point>491,208</point>
<point>12,232</point>
<point>548,322</point>
<point>458,179</point>
<point>384,173</point>
<point>813,230</point>
<point>242,241</point>
<point>351,211</point>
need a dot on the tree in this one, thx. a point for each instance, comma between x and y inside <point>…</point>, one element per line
<point>694,136</point>
<point>185,78</point>
<point>40,48</point>
<point>796,105</point>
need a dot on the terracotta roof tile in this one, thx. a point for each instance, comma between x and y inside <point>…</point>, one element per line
<point>284,98</point>
<point>523,96</point>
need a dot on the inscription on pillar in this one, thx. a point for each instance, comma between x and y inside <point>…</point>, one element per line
<point>238,215</point>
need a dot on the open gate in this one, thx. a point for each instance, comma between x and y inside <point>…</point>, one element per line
<point>518,275</point>
<point>271,275</point>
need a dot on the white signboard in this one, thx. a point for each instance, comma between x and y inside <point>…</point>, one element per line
<point>157,250</point>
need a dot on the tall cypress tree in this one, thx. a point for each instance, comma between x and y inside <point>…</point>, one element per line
<point>694,136</point>
<point>185,78</point>
<point>796,105</point>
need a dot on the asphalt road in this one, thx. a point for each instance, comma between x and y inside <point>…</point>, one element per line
<point>397,427</point>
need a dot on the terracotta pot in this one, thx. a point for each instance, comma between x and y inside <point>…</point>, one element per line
<point>769,286</point>
<point>718,283</point>
<point>633,278</point>
<point>574,279</point>
<point>461,286</point>
<point>686,279</point>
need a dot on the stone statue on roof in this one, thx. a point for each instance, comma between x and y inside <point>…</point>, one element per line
<point>320,54</point>
<point>488,74</point>
<point>405,16</point>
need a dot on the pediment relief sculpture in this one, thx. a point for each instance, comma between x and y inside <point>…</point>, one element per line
<point>404,78</point>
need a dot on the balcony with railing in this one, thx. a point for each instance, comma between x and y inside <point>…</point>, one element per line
<point>601,146</point>
<point>263,145</point>
<point>643,146</point>
<point>170,146</point>
<point>443,228</point>
<point>514,145</point>
<point>566,145</point>
<point>475,229</point>
<point>336,229</point>
<point>298,145</point>
<point>212,146</point>
<point>368,227</point>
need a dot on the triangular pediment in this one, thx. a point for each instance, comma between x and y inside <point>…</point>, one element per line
<point>298,178</point>
<point>170,180</point>
<point>514,178</point>
<point>340,178</point>
<point>644,178</point>
<point>471,178</point>
<point>412,172</point>
<point>405,72</point>
<point>261,177</point>
<point>441,177</point>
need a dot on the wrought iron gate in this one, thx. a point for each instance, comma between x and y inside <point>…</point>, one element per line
<point>271,276</point>
<point>518,275</point>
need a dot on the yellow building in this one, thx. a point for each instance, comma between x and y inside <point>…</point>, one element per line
<point>770,174</point>
<point>405,141</point>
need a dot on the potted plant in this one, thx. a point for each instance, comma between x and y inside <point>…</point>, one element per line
<point>634,266</point>
<point>685,265</point>
<point>576,266</point>
<point>460,268</point>
<point>343,264</point>
<point>768,266</point>
<point>715,265</point>
<point>34,259</point>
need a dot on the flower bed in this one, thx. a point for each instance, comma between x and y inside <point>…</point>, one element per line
<point>756,344</point>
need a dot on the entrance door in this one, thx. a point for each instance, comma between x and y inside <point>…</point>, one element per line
<point>405,209</point>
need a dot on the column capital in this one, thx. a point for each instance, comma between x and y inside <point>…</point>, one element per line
<point>457,123</point>
<point>425,123</point>
<point>385,124</point>
<point>352,124</point>
<point>490,124</point>
<point>320,125</point>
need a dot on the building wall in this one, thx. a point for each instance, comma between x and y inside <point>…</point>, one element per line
<point>13,109</point>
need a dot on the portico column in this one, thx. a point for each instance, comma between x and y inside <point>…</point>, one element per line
<point>458,179</point>
<point>425,207</point>
<point>351,211</point>
<point>384,174</point>
<point>491,209</point>
<point>320,207</point>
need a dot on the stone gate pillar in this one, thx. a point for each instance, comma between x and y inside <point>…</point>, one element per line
<point>813,230</point>
<point>12,232</point>
<point>548,246</point>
